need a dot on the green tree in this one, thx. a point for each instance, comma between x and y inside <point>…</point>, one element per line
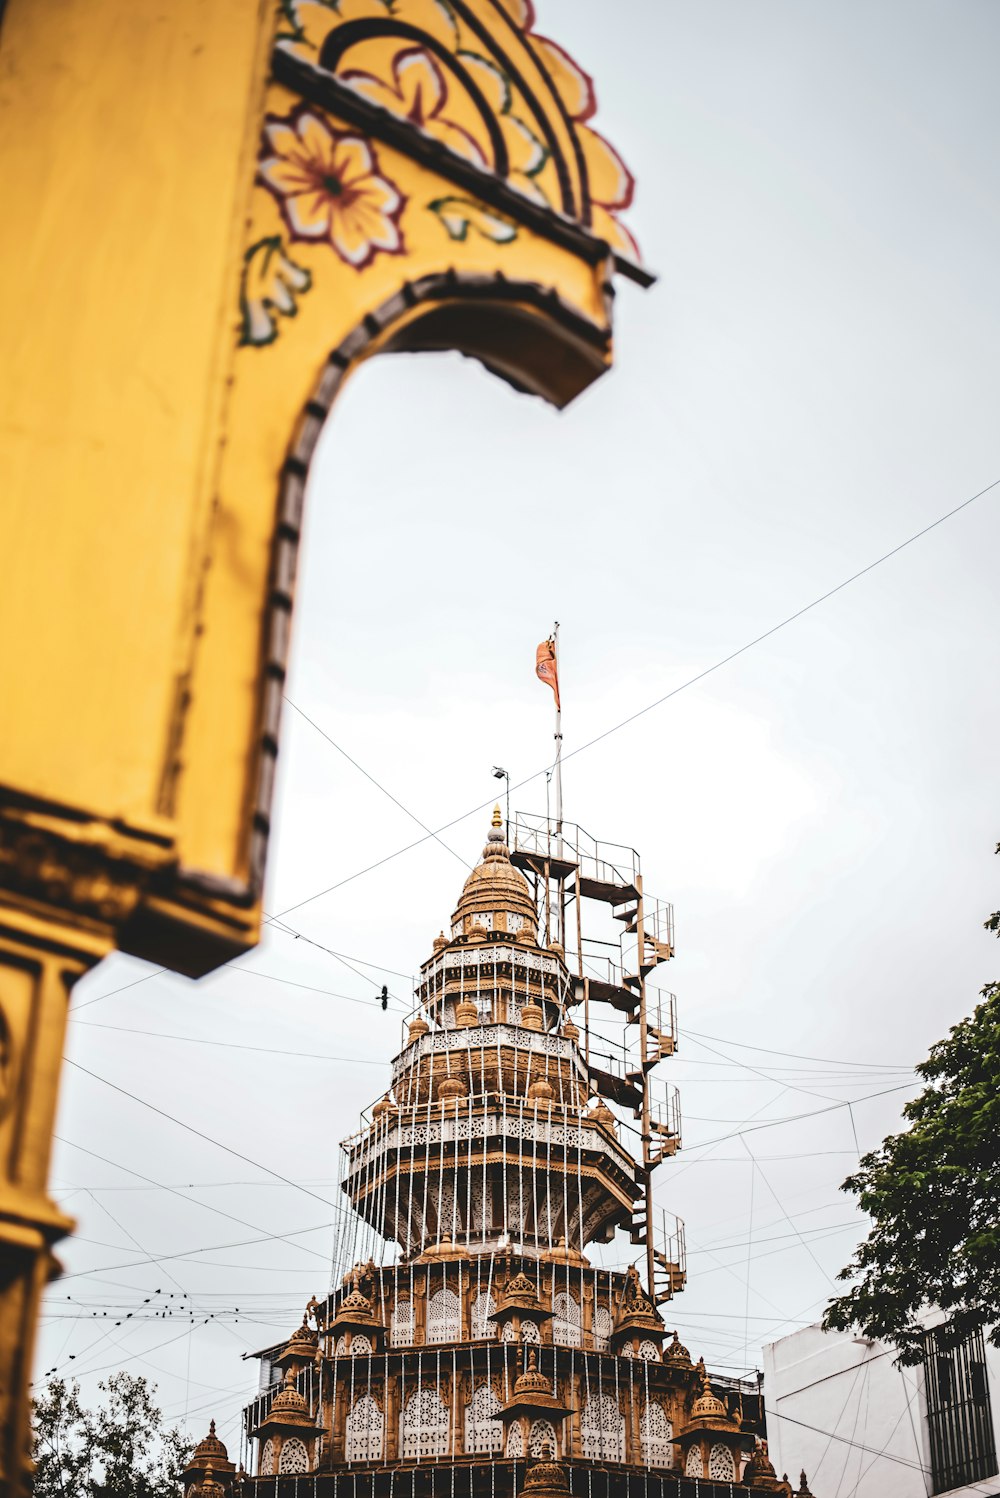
<point>119,1450</point>
<point>933,1196</point>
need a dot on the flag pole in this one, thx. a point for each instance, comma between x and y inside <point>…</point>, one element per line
<point>558,739</point>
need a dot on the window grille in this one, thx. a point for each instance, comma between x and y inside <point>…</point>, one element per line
<point>603,1327</point>
<point>401,1331</point>
<point>444,1317</point>
<point>602,1428</point>
<point>364,1431</point>
<point>542,1440</point>
<point>566,1321</point>
<point>515,1441</point>
<point>267,1459</point>
<point>361,1345</point>
<point>958,1411</point>
<point>478,1224</point>
<point>483,1431</point>
<point>656,1435</point>
<point>649,1351</point>
<point>509,1332</point>
<point>446,1210</point>
<point>425,1425</point>
<point>530,1332</point>
<point>721,1467</point>
<point>294,1457</point>
<point>482,1309</point>
<point>694,1466</point>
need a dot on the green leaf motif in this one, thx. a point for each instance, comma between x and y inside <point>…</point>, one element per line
<point>459,215</point>
<point>271,281</point>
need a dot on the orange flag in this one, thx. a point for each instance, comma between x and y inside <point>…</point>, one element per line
<point>545,667</point>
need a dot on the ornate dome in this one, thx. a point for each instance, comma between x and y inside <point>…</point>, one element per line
<point>550,1476</point>
<point>676,1351</point>
<point>531,1381</point>
<point>496,888</point>
<point>759,1466</point>
<point>302,1342</point>
<point>289,1401</point>
<point>210,1449</point>
<point>707,1403</point>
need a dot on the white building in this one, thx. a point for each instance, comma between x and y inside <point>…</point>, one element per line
<point>839,1408</point>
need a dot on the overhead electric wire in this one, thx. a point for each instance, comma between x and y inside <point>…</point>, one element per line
<point>378,785</point>
<point>775,1123</point>
<point>174,1191</point>
<point>143,1103</point>
<point>659,701</point>
<point>232,1045</point>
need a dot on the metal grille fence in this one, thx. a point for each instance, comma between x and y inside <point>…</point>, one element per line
<point>958,1411</point>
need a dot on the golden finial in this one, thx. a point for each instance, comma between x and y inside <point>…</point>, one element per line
<point>496,816</point>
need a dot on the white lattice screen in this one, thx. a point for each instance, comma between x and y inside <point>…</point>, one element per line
<point>294,1457</point>
<point>694,1466</point>
<point>444,1317</point>
<point>482,1309</point>
<point>364,1431</point>
<point>656,1435</point>
<point>401,1330</point>
<point>566,1320</point>
<point>424,1425</point>
<point>542,1439</point>
<point>603,1327</point>
<point>602,1429</point>
<point>483,1431</point>
<point>721,1467</point>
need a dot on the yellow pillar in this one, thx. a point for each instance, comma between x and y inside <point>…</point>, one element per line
<point>212,214</point>
<point>40,960</point>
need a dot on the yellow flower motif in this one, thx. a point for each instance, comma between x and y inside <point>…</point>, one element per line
<point>328,187</point>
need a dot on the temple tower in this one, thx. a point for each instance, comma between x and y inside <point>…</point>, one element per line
<point>468,1337</point>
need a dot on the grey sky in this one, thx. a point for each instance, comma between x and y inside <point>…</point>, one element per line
<point>815,377</point>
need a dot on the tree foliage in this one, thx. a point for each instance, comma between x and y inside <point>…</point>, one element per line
<point>119,1450</point>
<point>933,1196</point>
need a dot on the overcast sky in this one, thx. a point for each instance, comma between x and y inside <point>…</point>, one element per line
<point>814,378</point>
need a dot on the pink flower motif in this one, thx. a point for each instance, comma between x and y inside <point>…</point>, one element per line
<point>328,187</point>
